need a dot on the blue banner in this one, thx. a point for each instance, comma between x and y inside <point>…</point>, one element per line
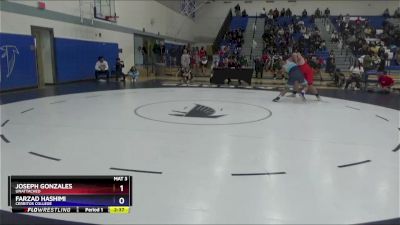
<point>18,62</point>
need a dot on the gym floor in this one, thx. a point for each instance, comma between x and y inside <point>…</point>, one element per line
<point>219,155</point>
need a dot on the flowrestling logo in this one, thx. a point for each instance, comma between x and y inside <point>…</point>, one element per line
<point>203,112</point>
<point>8,57</point>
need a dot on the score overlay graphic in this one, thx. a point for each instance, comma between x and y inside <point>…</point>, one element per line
<point>70,194</point>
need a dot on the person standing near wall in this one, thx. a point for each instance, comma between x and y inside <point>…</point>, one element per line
<point>118,69</point>
<point>203,59</point>
<point>259,67</point>
<point>185,71</point>
<point>237,10</point>
<point>185,60</point>
<point>304,13</point>
<point>327,13</point>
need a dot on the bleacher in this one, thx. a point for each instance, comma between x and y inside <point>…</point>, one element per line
<point>238,22</point>
<point>374,21</point>
<point>284,21</point>
<point>322,54</point>
<point>377,23</point>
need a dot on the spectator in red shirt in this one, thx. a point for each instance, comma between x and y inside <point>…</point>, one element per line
<point>358,21</point>
<point>386,82</point>
<point>203,59</point>
<point>266,60</point>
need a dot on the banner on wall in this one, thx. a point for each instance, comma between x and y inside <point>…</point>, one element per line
<point>18,62</point>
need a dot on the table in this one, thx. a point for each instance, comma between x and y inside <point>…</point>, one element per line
<point>222,74</point>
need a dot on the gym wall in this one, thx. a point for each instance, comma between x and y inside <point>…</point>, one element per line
<point>80,42</point>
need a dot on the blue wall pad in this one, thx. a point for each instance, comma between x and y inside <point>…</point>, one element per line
<point>18,62</point>
<point>75,59</point>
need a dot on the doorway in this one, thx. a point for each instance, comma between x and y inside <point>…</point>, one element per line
<point>44,46</point>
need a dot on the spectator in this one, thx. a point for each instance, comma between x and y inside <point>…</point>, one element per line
<point>339,19</point>
<point>334,37</point>
<point>101,68</point>
<point>367,63</point>
<point>144,52</point>
<point>340,45</point>
<point>312,19</point>
<point>237,10</point>
<point>382,64</point>
<point>277,66</point>
<point>397,13</point>
<point>356,72</point>
<point>118,69</point>
<point>157,51</point>
<point>195,58</point>
<point>327,13</point>
<point>339,78</point>
<point>259,67</point>
<point>385,82</point>
<point>185,59</point>
<point>347,18</point>
<point>215,60</point>
<point>270,14</point>
<point>223,63</point>
<point>322,46</point>
<point>330,63</point>
<point>244,13</point>
<point>368,31</point>
<point>386,13</point>
<point>133,73</point>
<point>283,11</point>
<point>317,13</point>
<point>304,13</point>
<point>276,14</point>
<point>163,52</point>
<point>376,60</point>
<point>232,63</point>
<point>288,12</point>
<point>203,59</point>
<point>266,60</point>
<point>381,51</point>
<point>263,13</point>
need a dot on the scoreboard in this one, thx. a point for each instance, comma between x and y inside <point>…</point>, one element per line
<point>70,194</point>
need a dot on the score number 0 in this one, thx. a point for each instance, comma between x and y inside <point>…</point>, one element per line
<point>121,200</point>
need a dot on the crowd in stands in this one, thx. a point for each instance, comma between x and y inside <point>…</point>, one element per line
<point>372,47</point>
<point>285,33</point>
<point>396,13</point>
<point>294,34</point>
<point>275,13</point>
<point>229,54</point>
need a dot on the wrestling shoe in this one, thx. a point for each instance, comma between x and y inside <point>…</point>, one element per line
<point>303,96</point>
<point>276,99</point>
